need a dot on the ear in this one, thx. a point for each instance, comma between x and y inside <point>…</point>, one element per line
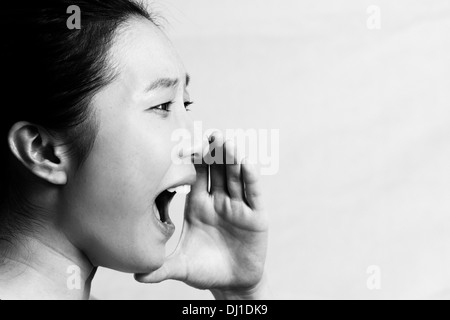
<point>38,151</point>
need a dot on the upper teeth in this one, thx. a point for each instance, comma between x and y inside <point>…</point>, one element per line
<point>181,189</point>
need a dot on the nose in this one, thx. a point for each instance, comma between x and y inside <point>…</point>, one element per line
<point>196,144</point>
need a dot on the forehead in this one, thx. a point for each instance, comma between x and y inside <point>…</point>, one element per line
<point>142,53</point>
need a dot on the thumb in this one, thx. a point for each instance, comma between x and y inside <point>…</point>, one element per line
<point>172,269</point>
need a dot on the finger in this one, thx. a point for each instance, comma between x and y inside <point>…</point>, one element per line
<point>201,184</point>
<point>252,186</point>
<point>233,168</point>
<point>216,161</point>
<point>171,270</point>
<point>202,169</point>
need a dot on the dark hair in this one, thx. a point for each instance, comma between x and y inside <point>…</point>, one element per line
<point>50,73</point>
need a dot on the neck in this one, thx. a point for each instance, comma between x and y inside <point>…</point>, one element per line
<point>44,268</point>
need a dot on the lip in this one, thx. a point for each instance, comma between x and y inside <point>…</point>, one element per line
<point>168,228</point>
<point>188,180</point>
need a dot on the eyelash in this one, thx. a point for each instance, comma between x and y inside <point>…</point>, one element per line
<point>166,106</point>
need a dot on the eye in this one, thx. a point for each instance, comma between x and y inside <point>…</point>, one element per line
<point>188,104</point>
<point>165,107</point>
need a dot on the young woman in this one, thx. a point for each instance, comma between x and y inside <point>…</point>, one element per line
<point>87,168</point>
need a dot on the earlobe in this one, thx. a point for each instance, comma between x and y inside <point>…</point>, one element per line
<point>58,177</point>
<point>39,152</point>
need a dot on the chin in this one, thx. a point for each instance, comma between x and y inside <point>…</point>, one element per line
<point>145,260</point>
<point>137,267</point>
<point>151,260</point>
<point>145,268</point>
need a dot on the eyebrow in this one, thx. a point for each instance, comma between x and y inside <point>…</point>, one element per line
<point>167,83</point>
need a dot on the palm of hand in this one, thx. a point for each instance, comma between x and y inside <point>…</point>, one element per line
<point>224,240</point>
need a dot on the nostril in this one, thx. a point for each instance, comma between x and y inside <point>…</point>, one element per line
<point>193,150</point>
<point>196,158</point>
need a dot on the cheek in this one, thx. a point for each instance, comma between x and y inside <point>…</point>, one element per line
<point>150,156</point>
<point>133,156</point>
<point>114,193</point>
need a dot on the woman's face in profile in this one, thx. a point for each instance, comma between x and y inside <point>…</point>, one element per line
<point>111,212</point>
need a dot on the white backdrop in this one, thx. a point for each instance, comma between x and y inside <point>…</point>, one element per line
<point>364,119</point>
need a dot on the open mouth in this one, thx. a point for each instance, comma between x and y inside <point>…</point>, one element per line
<point>164,199</point>
<point>162,204</point>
